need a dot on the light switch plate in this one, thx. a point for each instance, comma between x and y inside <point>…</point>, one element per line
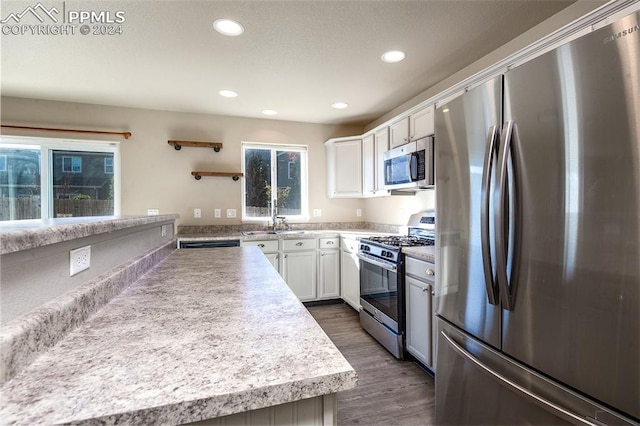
<point>217,213</point>
<point>153,212</point>
<point>197,213</point>
<point>231,212</point>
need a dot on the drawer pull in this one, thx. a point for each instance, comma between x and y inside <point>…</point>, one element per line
<point>300,244</point>
<point>261,245</point>
<point>430,272</point>
<point>329,243</point>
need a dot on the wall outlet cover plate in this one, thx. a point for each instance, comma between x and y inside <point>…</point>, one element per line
<point>79,260</point>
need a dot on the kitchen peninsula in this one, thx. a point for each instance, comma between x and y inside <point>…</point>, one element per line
<point>205,334</point>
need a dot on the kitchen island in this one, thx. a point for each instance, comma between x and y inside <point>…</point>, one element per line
<point>207,333</point>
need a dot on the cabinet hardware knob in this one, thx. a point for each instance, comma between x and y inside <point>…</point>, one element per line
<point>430,272</point>
<point>286,255</point>
<point>261,245</point>
<point>424,290</point>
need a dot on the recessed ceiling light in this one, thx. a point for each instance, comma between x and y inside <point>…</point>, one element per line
<point>228,27</point>
<point>269,112</point>
<point>393,56</point>
<point>339,105</point>
<point>228,93</point>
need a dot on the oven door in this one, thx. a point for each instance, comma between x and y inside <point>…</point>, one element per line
<point>380,291</point>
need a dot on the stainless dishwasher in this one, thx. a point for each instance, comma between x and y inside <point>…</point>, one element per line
<point>208,244</point>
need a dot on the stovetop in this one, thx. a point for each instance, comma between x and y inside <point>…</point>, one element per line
<point>400,241</point>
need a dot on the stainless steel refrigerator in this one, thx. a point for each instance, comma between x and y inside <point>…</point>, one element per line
<point>538,207</point>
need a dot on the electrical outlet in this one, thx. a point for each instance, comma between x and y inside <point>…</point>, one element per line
<point>197,213</point>
<point>153,212</point>
<point>217,213</point>
<point>163,231</point>
<point>358,212</point>
<point>317,212</point>
<point>79,260</point>
<point>231,212</point>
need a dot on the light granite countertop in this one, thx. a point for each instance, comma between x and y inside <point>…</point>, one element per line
<point>294,234</point>
<point>17,235</point>
<point>206,333</point>
<point>426,253</point>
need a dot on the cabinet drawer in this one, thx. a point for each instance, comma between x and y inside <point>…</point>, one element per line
<point>330,243</point>
<point>420,269</point>
<point>265,245</point>
<point>299,244</point>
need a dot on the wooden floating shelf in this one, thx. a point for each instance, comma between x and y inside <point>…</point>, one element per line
<point>234,176</point>
<point>177,145</point>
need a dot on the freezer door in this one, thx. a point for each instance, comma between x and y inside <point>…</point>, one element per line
<point>465,128</point>
<point>476,385</point>
<point>576,115</point>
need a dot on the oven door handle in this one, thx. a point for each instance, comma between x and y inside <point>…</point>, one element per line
<point>384,265</point>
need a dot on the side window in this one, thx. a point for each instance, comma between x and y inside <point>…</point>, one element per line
<point>43,178</point>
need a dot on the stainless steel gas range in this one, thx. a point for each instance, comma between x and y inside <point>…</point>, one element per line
<point>382,281</point>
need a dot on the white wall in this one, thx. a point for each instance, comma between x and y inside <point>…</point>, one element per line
<point>154,175</point>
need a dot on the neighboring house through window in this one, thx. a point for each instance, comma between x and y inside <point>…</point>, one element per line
<point>72,164</point>
<point>269,166</point>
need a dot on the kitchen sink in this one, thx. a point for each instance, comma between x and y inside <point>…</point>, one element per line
<point>249,233</point>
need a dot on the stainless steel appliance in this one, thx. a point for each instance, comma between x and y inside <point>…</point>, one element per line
<point>208,244</point>
<point>410,166</point>
<point>382,281</point>
<point>538,242</point>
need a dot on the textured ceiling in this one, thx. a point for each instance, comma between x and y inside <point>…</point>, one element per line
<point>296,57</point>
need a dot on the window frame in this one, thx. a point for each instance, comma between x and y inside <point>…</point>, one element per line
<point>304,178</point>
<point>47,146</point>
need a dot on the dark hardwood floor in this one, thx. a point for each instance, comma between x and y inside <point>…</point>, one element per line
<point>389,392</point>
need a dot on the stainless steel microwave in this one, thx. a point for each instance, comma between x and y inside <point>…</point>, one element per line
<point>409,166</point>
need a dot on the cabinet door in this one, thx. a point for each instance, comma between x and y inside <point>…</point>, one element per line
<point>345,169</point>
<point>329,276</point>
<point>273,258</point>
<point>399,132</point>
<point>368,165</point>
<point>381,145</point>
<point>421,123</point>
<point>350,279</point>
<point>419,320</point>
<point>299,272</point>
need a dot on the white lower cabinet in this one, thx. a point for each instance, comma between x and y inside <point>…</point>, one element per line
<point>329,274</point>
<point>419,311</point>
<point>299,272</point>
<point>269,248</point>
<point>418,320</point>
<point>350,272</point>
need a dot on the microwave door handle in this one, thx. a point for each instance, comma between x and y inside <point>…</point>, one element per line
<point>487,171</point>
<point>413,167</point>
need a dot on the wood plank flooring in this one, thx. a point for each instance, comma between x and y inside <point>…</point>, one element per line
<point>389,392</point>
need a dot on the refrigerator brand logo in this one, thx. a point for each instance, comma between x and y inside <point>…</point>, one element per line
<point>623,33</point>
<point>42,20</point>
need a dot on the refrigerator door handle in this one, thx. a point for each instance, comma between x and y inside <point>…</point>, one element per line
<point>527,394</point>
<point>489,278</point>
<point>507,292</point>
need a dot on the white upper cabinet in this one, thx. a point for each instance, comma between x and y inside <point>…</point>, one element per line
<point>344,168</point>
<point>421,123</point>
<point>368,165</point>
<point>415,126</point>
<point>382,145</point>
<point>399,132</point>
